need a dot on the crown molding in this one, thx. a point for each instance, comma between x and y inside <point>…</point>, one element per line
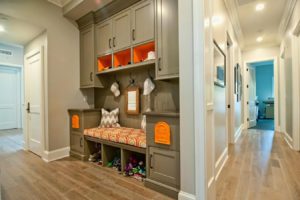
<point>232,10</point>
<point>285,20</point>
<point>60,3</point>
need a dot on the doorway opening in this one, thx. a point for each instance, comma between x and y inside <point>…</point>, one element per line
<point>11,125</point>
<point>261,97</point>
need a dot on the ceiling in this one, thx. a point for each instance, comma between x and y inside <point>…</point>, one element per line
<point>17,31</point>
<point>263,23</point>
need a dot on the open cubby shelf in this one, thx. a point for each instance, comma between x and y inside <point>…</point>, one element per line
<point>104,62</point>
<point>128,67</point>
<point>109,150</point>
<point>140,53</point>
<point>122,58</point>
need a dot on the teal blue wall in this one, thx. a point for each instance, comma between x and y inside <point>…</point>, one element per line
<point>264,84</point>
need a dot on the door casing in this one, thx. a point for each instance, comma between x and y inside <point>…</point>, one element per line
<point>276,96</point>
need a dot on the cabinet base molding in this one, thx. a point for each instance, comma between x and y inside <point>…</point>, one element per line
<point>162,188</point>
<point>78,156</point>
<point>56,154</point>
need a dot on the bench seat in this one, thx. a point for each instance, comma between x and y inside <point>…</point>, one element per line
<point>123,135</point>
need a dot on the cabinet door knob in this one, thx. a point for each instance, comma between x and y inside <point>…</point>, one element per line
<point>81,139</point>
<point>133,34</point>
<point>159,64</point>
<point>28,107</point>
<point>91,76</point>
<point>109,43</point>
<point>114,42</point>
<point>151,167</point>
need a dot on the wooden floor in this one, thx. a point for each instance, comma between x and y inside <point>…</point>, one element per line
<point>25,176</point>
<point>260,167</point>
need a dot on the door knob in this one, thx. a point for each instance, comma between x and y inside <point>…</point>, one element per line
<point>28,107</point>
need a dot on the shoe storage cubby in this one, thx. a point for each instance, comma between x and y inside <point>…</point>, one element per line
<point>104,62</point>
<point>140,53</point>
<point>127,155</point>
<point>109,153</point>
<point>122,58</point>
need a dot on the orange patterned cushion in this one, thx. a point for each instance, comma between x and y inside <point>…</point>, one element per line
<point>130,136</point>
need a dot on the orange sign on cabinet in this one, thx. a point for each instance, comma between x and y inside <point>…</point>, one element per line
<point>162,133</point>
<point>75,121</point>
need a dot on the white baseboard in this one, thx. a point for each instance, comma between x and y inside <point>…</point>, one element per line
<point>221,162</point>
<point>56,154</point>
<point>211,188</point>
<point>288,139</point>
<point>186,196</point>
<point>238,133</point>
<point>278,129</point>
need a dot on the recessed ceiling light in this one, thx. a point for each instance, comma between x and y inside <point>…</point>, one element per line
<point>2,29</point>
<point>260,7</point>
<point>259,39</point>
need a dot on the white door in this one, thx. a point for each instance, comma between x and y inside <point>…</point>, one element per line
<point>252,98</point>
<point>33,100</point>
<point>9,98</point>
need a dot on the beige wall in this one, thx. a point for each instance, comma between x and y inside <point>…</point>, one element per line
<point>217,98</point>
<point>62,63</point>
<point>260,53</point>
<point>290,64</point>
<point>17,55</point>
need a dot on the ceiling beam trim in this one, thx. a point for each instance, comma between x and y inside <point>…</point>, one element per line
<point>232,10</point>
<point>287,14</point>
<point>60,3</point>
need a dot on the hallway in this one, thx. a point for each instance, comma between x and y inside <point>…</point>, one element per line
<point>260,167</point>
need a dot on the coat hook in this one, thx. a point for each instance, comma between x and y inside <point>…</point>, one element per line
<point>149,74</point>
<point>116,79</point>
<point>131,81</point>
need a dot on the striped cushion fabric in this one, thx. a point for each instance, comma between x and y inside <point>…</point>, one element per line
<point>109,119</point>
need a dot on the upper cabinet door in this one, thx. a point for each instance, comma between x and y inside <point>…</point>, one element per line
<point>167,65</point>
<point>104,38</point>
<point>87,56</point>
<point>143,22</point>
<point>121,31</point>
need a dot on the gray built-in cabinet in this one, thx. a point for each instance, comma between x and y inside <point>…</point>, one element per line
<point>88,118</point>
<point>104,38</point>
<point>87,56</point>
<point>121,31</point>
<point>88,66</point>
<point>143,22</point>
<point>167,65</point>
<point>113,34</point>
<point>163,161</point>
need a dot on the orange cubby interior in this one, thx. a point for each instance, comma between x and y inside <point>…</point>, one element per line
<point>122,58</point>
<point>104,62</point>
<point>140,53</point>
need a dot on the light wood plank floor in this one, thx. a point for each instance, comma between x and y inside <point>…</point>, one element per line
<point>260,167</point>
<point>25,176</point>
